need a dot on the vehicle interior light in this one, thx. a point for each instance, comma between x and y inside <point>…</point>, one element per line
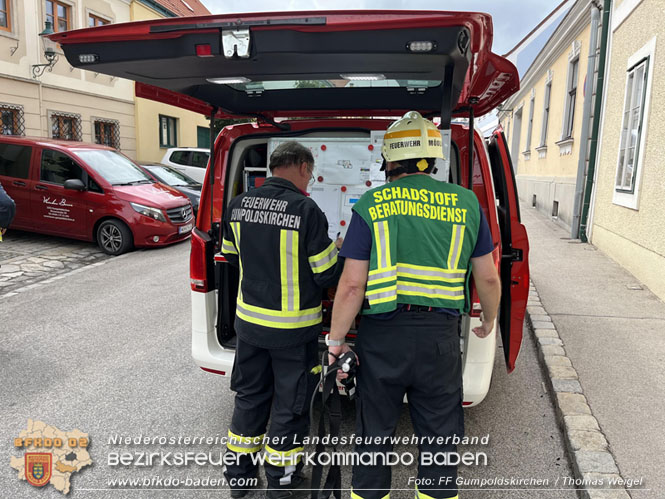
<point>228,81</point>
<point>88,58</point>
<point>204,50</point>
<point>421,46</point>
<point>363,77</point>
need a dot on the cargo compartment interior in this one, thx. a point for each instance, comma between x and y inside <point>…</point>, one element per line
<point>347,163</point>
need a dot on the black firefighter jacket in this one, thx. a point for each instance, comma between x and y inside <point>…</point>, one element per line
<point>278,237</point>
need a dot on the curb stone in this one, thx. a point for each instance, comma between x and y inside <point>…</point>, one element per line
<point>587,447</point>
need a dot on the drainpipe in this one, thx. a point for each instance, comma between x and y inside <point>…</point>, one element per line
<point>602,57</point>
<point>584,138</point>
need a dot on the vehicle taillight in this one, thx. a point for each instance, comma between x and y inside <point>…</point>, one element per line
<point>198,264</point>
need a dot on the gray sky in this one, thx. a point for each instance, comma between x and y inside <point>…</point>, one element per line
<point>513,19</point>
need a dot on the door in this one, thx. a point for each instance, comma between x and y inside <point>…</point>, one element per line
<point>15,160</point>
<point>60,211</point>
<point>514,250</point>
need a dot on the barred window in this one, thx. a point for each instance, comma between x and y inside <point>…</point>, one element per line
<point>66,126</point>
<point>11,120</point>
<point>107,132</point>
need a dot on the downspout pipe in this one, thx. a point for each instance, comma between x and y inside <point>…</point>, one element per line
<point>593,154</point>
<point>586,115</point>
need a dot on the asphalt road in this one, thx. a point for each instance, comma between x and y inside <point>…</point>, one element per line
<point>107,351</point>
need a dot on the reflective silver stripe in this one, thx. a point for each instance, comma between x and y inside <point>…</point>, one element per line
<point>430,273</point>
<point>289,270</point>
<point>228,247</point>
<point>385,294</point>
<point>318,262</point>
<point>456,246</point>
<point>278,317</point>
<point>382,275</point>
<point>383,252</point>
<point>428,290</point>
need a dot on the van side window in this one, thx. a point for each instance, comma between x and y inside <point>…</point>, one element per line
<point>199,159</point>
<point>15,160</point>
<point>58,167</point>
<point>180,157</point>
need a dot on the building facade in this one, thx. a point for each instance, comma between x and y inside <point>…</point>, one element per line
<point>626,220</point>
<point>543,122</point>
<point>160,126</point>
<point>62,102</point>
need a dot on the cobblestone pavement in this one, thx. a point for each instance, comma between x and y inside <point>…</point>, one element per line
<point>27,259</point>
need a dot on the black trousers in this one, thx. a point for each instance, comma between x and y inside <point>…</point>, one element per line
<point>417,354</point>
<point>275,384</point>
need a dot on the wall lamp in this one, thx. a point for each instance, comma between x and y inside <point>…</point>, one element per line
<point>49,52</point>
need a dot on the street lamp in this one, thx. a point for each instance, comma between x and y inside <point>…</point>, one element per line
<point>49,51</point>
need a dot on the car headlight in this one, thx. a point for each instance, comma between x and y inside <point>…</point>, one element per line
<point>149,211</point>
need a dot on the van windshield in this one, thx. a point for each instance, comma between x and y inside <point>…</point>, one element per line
<point>115,168</point>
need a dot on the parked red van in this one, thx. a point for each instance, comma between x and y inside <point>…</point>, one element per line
<point>334,81</point>
<point>90,192</point>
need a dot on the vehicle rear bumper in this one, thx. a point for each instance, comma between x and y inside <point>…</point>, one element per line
<point>207,353</point>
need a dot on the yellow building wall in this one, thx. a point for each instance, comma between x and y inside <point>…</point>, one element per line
<point>635,238</point>
<point>148,111</point>
<point>549,174</point>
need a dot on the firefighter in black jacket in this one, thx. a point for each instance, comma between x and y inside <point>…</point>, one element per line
<point>278,237</point>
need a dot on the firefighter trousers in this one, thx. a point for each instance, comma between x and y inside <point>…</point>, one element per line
<point>417,354</point>
<point>275,384</point>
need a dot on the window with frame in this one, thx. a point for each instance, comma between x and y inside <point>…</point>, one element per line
<point>530,128</point>
<point>59,14</point>
<point>57,167</point>
<point>94,20</point>
<point>571,97</point>
<point>631,126</point>
<point>5,15</point>
<point>11,120</point>
<point>167,131</point>
<point>66,126</point>
<point>15,160</point>
<point>107,132</point>
<point>546,114</point>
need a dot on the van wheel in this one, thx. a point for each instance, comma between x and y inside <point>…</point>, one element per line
<point>114,237</point>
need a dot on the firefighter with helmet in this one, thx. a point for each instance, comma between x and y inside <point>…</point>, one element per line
<point>411,248</point>
<point>278,238</point>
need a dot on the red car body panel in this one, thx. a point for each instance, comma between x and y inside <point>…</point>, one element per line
<point>49,208</point>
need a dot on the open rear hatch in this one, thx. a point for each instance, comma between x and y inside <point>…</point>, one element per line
<point>318,64</point>
<point>367,63</point>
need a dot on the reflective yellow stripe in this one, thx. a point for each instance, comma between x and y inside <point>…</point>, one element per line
<point>281,313</point>
<point>228,247</point>
<point>244,445</point>
<point>235,227</point>
<point>295,281</point>
<point>279,319</point>
<point>379,247</point>
<point>357,496</point>
<point>283,269</point>
<point>288,251</point>
<point>382,241</point>
<point>324,260</point>
<point>422,495</point>
<point>316,370</point>
<point>456,242</point>
<point>284,458</point>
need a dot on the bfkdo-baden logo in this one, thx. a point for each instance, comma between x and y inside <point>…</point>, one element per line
<point>51,455</point>
<point>38,468</point>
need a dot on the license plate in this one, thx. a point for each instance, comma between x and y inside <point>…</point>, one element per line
<point>184,228</point>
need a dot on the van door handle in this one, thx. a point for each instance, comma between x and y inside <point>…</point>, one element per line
<point>18,183</point>
<point>41,187</point>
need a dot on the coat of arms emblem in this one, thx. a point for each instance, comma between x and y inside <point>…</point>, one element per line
<point>38,468</point>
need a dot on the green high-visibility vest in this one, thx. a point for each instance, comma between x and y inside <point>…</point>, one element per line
<point>423,234</point>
